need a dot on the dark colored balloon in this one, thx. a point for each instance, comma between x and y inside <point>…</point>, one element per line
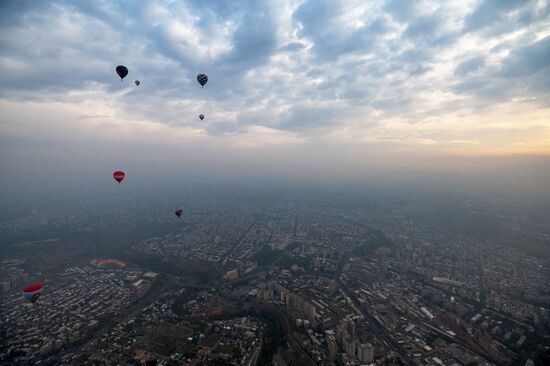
<point>119,175</point>
<point>33,291</point>
<point>179,212</point>
<point>201,116</point>
<point>122,71</point>
<point>137,82</point>
<point>202,79</point>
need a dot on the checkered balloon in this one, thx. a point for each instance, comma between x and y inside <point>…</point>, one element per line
<point>202,79</point>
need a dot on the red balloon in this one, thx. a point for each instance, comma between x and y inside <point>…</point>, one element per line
<point>33,287</point>
<point>33,291</point>
<point>119,175</point>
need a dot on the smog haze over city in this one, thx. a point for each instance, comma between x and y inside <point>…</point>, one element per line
<point>286,182</point>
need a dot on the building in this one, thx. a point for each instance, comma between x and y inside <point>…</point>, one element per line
<point>350,326</point>
<point>447,281</point>
<point>366,353</point>
<point>272,290</point>
<point>232,275</point>
<point>332,345</point>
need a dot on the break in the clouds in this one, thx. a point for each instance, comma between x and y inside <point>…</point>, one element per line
<point>470,75</point>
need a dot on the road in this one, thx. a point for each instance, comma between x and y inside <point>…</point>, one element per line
<point>481,287</point>
<point>285,327</point>
<point>375,325</point>
<point>221,261</point>
<point>529,350</point>
<point>341,262</point>
<point>226,255</point>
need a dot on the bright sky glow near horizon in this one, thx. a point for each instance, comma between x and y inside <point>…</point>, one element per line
<point>405,77</point>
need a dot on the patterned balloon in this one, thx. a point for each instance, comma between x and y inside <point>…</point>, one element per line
<point>202,79</point>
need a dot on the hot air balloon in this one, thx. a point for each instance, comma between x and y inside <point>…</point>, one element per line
<point>119,176</point>
<point>201,116</point>
<point>179,212</point>
<point>202,79</point>
<point>137,82</point>
<point>122,71</point>
<point>32,292</point>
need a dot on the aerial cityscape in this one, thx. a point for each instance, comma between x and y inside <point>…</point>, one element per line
<point>275,182</point>
<point>294,280</point>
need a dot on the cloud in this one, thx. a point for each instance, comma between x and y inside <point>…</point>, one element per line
<point>318,23</point>
<point>489,12</point>
<point>522,73</point>
<point>527,60</point>
<point>403,11</point>
<point>430,30</point>
<point>290,71</point>
<point>292,47</point>
<point>254,40</point>
<point>470,65</point>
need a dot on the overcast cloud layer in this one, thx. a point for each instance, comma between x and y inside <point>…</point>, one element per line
<point>458,77</point>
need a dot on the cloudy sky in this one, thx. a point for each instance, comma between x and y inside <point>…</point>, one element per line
<point>330,80</point>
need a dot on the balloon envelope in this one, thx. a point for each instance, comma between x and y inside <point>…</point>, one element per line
<point>119,175</point>
<point>121,71</point>
<point>137,82</point>
<point>179,212</point>
<point>201,116</point>
<point>202,79</point>
<point>32,292</point>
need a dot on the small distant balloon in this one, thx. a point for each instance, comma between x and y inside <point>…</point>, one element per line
<point>179,212</point>
<point>137,82</point>
<point>202,79</point>
<point>119,175</point>
<point>33,291</point>
<point>201,116</point>
<point>122,71</point>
